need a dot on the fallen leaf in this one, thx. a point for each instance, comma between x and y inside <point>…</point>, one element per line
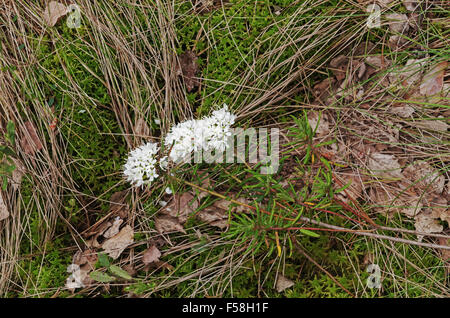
<point>114,229</point>
<point>354,190</point>
<point>433,81</point>
<point>410,5</point>
<point>53,12</point>
<point>118,205</point>
<point>168,224</point>
<point>409,74</point>
<point>188,68</point>
<point>321,126</point>
<point>427,224</point>
<point>397,22</point>
<point>118,243</point>
<point>435,125</point>
<point>283,283</point>
<point>391,201</point>
<point>214,217</point>
<point>403,110</point>
<point>445,254</point>
<point>141,128</point>
<point>181,206</point>
<point>30,141</point>
<point>339,66</point>
<point>4,213</point>
<point>151,255</point>
<point>384,165</point>
<point>423,178</point>
<point>83,263</point>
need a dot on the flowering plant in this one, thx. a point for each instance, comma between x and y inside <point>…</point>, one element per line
<point>206,134</point>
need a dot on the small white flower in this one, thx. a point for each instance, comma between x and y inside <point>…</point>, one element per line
<point>162,203</point>
<point>157,121</point>
<point>168,190</point>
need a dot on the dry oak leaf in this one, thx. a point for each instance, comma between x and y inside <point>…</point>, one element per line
<point>424,178</point>
<point>4,213</point>
<point>30,141</point>
<point>119,242</point>
<point>188,68</point>
<point>181,207</point>
<point>53,12</point>
<point>168,224</point>
<point>151,255</point>
<point>433,80</point>
<point>283,283</point>
<point>384,165</point>
<point>214,217</point>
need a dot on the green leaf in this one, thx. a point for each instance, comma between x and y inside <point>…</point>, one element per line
<point>309,233</point>
<point>101,277</point>
<point>10,128</point>
<point>116,270</point>
<point>7,151</point>
<point>103,260</point>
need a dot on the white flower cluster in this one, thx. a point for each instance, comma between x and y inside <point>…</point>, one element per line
<point>207,134</point>
<point>140,167</point>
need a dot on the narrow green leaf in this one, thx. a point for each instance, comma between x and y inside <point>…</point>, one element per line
<point>116,270</point>
<point>309,233</point>
<point>101,277</point>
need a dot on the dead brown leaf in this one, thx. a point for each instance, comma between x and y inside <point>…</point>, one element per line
<point>384,165</point>
<point>322,124</point>
<point>168,224</point>
<point>397,22</point>
<point>141,128</point>
<point>4,213</point>
<point>118,205</point>
<point>181,206</point>
<point>53,12</point>
<point>151,255</point>
<point>188,68</point>
<point>214,217</point>
<point>283,283</point>
<point>433,81</point>
<point>427,224</point>
<point>422,177</point>
<point>119,242</point>
<point>410,5</point>
<point>30,141</point>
